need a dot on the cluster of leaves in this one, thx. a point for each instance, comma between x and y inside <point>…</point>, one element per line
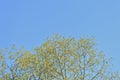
<point>58,58</point>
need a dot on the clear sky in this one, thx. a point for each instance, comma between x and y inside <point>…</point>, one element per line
<point>29,22</point>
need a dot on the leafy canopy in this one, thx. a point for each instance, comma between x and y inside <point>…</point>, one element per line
<point>58,58</point>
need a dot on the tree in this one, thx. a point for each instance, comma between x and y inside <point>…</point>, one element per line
<point>58,58</point>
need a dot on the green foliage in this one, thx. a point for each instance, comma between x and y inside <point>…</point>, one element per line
<point>58,58</point>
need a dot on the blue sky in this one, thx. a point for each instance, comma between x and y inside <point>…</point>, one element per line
<point>29,22</point>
